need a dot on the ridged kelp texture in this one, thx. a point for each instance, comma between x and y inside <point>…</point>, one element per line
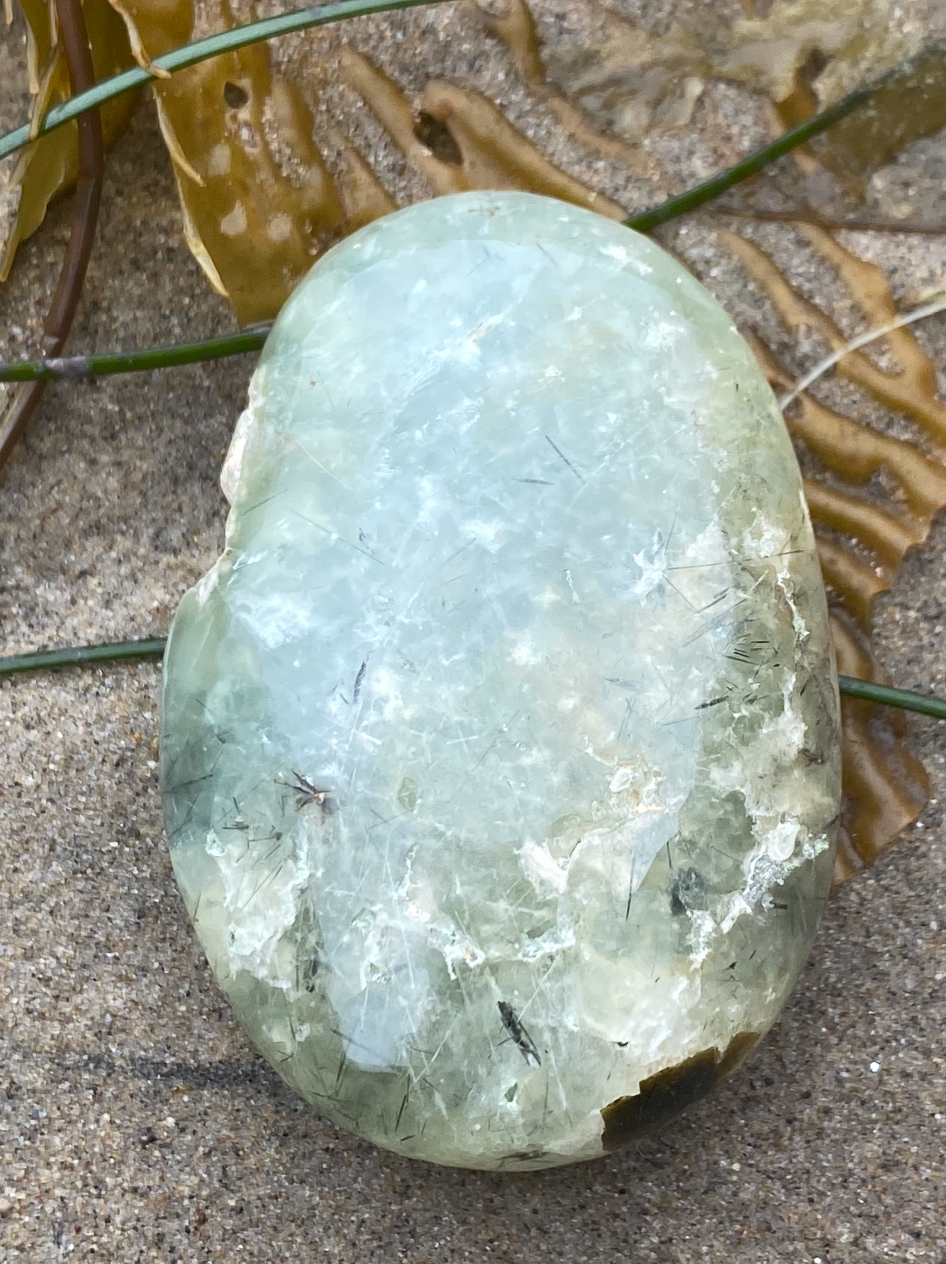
<point>862,536</point>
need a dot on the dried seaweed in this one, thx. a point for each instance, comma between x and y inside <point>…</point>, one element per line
<point>257,210</point>
<point>630,79</point>
<point>259,201</point>
<point>280,152</point>
<point>862,539</point>
<point>517,30</point>
<point>479,148</point>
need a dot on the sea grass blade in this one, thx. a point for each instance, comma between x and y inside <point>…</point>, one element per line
<point>202,50</point>
<point>153,647</point>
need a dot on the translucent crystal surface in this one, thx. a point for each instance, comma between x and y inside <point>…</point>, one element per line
<point>500,746</point>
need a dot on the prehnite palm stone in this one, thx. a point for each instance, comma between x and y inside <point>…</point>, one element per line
<point>500,748</point>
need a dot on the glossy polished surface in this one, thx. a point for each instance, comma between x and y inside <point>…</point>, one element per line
<point>500,747</point>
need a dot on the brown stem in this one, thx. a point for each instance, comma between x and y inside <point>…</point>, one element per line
<point>62,310</point>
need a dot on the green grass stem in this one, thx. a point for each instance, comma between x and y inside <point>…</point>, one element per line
<point>252,339</point>
<point>888,696</point>
<point>80,366</point>
<point>203,50</point>
<point>753,163</point>
<point>83,655</point>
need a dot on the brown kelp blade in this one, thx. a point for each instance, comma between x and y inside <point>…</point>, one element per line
<point>862,538</point>
<point>885,785</point>
<point>280,151</point>
<point>262,200</point>
<point>259,204</point>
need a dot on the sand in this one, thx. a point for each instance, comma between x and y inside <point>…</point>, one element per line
<point>136,1122</point>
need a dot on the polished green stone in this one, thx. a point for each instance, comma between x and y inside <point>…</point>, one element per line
<point>500,747</point>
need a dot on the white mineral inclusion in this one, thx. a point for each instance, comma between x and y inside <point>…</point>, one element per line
<point>520,595</point>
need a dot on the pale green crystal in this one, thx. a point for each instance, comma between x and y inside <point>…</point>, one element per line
<point>519,578</point>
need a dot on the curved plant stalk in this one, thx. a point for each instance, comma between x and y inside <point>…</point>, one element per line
<point>88,196</point>
<point>871,335</point>
<point>270,28</point>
